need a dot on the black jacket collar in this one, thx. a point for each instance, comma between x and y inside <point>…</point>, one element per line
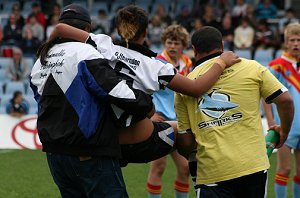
<point>139,48</point>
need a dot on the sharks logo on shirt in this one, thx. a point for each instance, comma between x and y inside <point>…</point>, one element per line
<point>215,105</point>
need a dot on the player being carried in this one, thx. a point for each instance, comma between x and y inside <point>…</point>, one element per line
<point>141,139</point>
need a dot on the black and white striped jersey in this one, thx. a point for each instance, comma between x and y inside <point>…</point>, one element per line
<point>145,71</point>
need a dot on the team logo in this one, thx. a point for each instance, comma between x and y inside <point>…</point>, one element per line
<point>216,104</point>
<point>25,134</point>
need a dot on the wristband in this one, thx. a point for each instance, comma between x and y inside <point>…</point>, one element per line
<point>221,63</point>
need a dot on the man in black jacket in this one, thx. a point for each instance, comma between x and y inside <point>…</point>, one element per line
<point>74,88</point>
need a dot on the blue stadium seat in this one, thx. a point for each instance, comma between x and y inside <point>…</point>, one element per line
<point>29,60</point>
<point>243,53</point>
<point>11,87</point>
<point>5,98</point>
<point>3,77</point>
<point>97,6</point>
<point>32,104</point>
<point>278,53</point>
<point>263,56</point>
<point>4,62</point>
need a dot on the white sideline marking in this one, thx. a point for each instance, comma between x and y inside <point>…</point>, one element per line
<point>2,151</point>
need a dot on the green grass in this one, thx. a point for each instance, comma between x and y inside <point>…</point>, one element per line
<point>25,174</point>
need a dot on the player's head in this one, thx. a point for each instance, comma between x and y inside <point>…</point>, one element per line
<point>175,38</point>
<point>176,33</point>
<point>76,16</point>
<point>73,15</point>
<point>292,39</point>
<point>206,40</point>
<point>132,23</point>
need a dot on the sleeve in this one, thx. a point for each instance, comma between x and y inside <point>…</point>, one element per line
<point>181,113</point>
<point>103,44</point>
<point>133,101</point>
<point>270,86</point>
<point>165,74</point>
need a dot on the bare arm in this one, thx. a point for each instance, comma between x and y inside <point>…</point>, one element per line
<point>268,113</point>
<point>203,83</point>
<point>67,31</point>
<point>285,108</point>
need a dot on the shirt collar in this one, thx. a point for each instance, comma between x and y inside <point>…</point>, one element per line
<point>206,58</point>
<point>139,48</point>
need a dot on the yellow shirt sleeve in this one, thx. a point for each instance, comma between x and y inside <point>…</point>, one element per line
<point>181,113</point>
<point>269,83</point>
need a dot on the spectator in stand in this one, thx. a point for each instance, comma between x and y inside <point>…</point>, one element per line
<point>287,19</point>
<point>18,69</point>
<point>243,35</point>
<point>227,31</point>
<point>29,44</point>
<point>12,32</point>
<point>49,29</point>
<point>266,10</point>
<point>223,6</point>
<point>238,11</point>
<point>56,10</point>
<point>16,10</point>
<point>17,106</point>
<point>208,18</point>
<point>164,16</point>
<point>175,38</point>
<point>102,21</point>
<point>40,17</point>
<point>155,29</point>
<point>264,38</point>
<point>251,16</point>
<point>184,18</point>
<point>36,28</point>
<point>197,25</point>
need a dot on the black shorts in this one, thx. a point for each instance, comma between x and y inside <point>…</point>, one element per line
<point>249,186</point>
<point>159,144</point>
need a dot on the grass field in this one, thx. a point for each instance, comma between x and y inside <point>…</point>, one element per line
<point>25,174</point>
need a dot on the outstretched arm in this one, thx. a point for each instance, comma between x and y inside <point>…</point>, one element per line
<point>67,31</point>
<point>203,83</point>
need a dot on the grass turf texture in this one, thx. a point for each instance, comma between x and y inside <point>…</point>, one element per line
<point>25,174</point>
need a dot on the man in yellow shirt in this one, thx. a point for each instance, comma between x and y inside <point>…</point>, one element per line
<point>230,147</point>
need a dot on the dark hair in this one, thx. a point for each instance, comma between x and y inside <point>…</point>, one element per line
<point>131,21</point>
<point>45,47</point>
<point>207,39</point>
<point>16,94</point>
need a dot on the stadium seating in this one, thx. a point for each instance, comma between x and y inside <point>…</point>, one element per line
<point>243,53</point>
<point>4,62</point>
<point>4,100</point>
<point>11,87</point>
<point>263,56</point>
<point>32,104</point>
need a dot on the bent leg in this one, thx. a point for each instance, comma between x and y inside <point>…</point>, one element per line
<point>159,144</point>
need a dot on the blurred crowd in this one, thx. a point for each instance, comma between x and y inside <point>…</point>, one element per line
<point>244,25</point>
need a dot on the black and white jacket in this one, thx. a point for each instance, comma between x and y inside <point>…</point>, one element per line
<point>74,91</point>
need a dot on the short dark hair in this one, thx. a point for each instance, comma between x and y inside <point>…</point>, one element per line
<point>207,39</point>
